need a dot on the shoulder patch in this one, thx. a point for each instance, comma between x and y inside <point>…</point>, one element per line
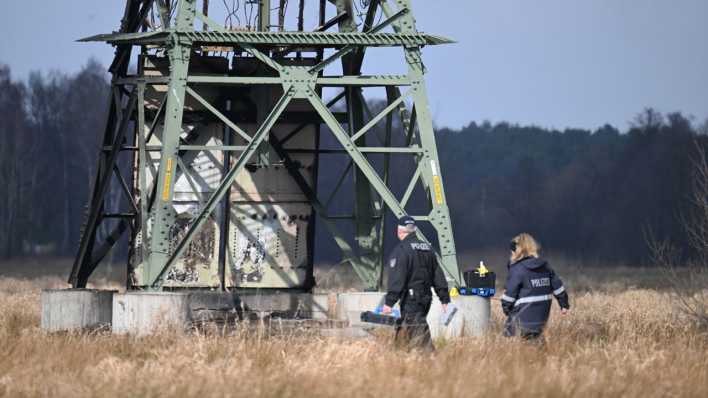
<point>420,246</point>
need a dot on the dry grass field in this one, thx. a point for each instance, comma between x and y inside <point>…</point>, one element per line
<point>622,339</point>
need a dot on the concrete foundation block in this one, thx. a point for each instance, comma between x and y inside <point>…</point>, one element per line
<point>142,313</point>
<point>351,305</point>
<point>471,319</point>
<point>213,307</point>
<point>298,305</point>
<point>316,306</point>
<point>212,300</point>
<point>287,304</point>
<point>76,309</point>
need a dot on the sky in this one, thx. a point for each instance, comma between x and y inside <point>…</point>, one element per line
<point>551,63</point>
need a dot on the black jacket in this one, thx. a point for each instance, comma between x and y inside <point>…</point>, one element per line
<point>412,271</point>
<point>530,287</point>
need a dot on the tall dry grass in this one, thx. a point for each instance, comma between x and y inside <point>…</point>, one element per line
<point>616,343</point>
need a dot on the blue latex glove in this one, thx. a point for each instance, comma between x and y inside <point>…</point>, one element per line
<point>396,313</point>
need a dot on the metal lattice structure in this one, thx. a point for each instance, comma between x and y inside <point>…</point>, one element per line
<point>218,196</point>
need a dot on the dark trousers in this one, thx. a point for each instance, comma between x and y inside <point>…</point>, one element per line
<point>512,327</point>
<point>414,332</point>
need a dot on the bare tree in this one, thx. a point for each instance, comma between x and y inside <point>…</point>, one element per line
<point>13,137</point>
<point>648,119</point>
<point>689,278</point>
<point>703,129</point>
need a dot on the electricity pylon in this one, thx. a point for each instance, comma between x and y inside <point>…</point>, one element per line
<point>218,198</point>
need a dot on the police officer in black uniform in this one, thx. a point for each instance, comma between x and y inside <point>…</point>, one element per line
<point>412,271</point>
<point>530,287</point>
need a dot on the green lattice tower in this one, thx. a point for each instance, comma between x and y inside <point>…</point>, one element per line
<point>284,79</point>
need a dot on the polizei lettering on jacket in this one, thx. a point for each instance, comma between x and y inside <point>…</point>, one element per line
<point>541,282</point>
<point>424,247</point>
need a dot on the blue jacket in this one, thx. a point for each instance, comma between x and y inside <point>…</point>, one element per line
<point>530,286</point>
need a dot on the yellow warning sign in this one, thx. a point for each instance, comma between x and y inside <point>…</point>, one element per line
<point>437,187</point>
<point>168,181</point>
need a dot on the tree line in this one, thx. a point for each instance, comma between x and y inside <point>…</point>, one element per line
<point>50,128</point>
<point>591,194</point>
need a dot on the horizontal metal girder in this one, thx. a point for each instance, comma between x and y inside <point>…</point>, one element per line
<point>324,39</point>
<point>365,149</point>
<point>327,81</point>
<point>311,39</point>
<point>364,81</point>
<point>233,148</point>
<point>154,37</point>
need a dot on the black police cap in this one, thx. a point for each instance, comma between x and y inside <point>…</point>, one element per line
<point>406,221</point>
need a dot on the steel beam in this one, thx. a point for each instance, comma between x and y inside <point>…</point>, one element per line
<point>125,188</point>
<point>89,235</point>
<point>393,105</point>
<point>353,46</point>
<point>225,227</point>
<point>411,186</point>
<point>386,178</point>
<point>365,149</point>
<point>338,185</point>
<point>299,128</point>
<point>275,39</point>
<point>365,226</point>
<point>326,81</point>
<point>218,114</point>
<point>163,217</point>
<point>363,81</point>
<point>142,163</point>
<point>357,156</point>
<point>135,14</point>
<point>430,167</point>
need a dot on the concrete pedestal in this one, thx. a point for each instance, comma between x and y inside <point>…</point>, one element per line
<point>76,309</point>
<point>471,319</point>
<point>295,305</point>
<point>351,305</point>
<point>142,313</point>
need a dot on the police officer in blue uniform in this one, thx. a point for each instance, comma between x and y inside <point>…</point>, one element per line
<point>531,285</point>
<point>412,271</point>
